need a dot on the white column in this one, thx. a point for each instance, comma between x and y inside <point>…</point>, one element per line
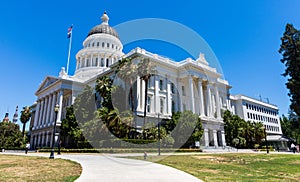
<point>47,139</point>
<point>209,103</point>
<point>60,100</point>
<point>42,138</point>
<point>223,138</point>
<point>98,63</point>
<point>156,107</point>
<point>36,140</point>
<point>52,108</point>
<point>39,139</point>
<point>206,137</point>
<point>41,112</point>
<point>218,102</point>
<point>91,61</point>
<point>192,104</point>
<point>49,109</point>
<point>138,92</point>
<point>45,110</point>
<point>169,99</point>
<point>37,112</point>
<point>215,138</point>
<point>200,90</point>
<point>143,95</point>
<point>73,99</point>
<point>181,95</point>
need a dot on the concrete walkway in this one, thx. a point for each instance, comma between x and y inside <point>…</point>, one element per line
<point>106,168</point>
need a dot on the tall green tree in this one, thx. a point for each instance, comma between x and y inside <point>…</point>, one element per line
<point>241,133</point>
<point>70,130</point>
<point>187,130</point>
<point>290,50</point>
<point>24,118</point>
<point>290,126</point>
<point>10,135</point>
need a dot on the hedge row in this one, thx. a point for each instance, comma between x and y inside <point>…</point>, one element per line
<point>120,150</point>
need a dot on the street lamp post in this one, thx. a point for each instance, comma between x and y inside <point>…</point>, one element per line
<point>158,130</point>
<point>56,108</point>
<point>266,139</point>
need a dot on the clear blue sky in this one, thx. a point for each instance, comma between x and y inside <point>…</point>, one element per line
<point>245,36</point>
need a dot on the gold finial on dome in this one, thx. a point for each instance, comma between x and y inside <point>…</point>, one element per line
<point>104,18</point>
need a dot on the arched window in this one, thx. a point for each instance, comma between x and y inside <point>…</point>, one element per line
<point>107,62</point>
<point>96,62</point>
<point>98,43</point>
<point>173,106</point>
<point>102,62</point>
<point>148,104</point>
<point>107,45</point>
<point>103,44</point>
<point>87,62</point>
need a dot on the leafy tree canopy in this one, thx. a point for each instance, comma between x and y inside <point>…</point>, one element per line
<point>290,50</point>
<point>10,135</point>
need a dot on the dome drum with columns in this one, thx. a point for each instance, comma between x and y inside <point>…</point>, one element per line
<point>101,48</point>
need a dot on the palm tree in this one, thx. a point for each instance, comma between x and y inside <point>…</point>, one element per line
<point>25,116</point>
<point>145,70</point>
<point>127,71</point>
<point>104,88</point>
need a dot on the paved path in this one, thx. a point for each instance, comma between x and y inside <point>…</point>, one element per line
<point>106,168</point>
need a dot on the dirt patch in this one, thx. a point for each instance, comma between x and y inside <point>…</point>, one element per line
<point>209,171</point>
<point>295,162</point>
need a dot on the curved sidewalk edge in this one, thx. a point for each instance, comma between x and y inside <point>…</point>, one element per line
<point>106,168</point>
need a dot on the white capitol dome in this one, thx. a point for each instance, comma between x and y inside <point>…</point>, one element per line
<point>101,48</point>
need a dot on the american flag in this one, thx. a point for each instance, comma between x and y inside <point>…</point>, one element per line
<point>70,31</point>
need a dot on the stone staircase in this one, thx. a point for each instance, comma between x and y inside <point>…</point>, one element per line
<point>226,149</point>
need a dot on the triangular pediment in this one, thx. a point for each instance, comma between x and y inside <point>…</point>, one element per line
<point>47,82</point>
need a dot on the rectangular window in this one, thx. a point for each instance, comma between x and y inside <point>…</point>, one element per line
<point>183,91</point>
<point>148,104</point>
<point>172,88</point>
<point>162,103</point>
<point>173,106</point>
<point>161,84</point>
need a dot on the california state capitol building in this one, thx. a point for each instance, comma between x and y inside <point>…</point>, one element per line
<point>184,85</point>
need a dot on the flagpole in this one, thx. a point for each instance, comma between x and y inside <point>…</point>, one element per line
<point>70,46</point>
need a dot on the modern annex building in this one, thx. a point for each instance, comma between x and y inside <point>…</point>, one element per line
<point>254,110</point>
<point>178,86</point>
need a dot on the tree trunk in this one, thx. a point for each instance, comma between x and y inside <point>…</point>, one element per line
<point>23,131</point>
<point>146,98</point>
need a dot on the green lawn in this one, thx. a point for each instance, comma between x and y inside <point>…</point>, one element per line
<point>29,168</point>
<point>236,167</point>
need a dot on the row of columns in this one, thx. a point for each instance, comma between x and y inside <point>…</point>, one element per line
<point>211,137</point>
<point>44,115</point>
<point>210,102</point>
<point>95,61</point>
<point>41,139</point>
<point>156,97</point>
